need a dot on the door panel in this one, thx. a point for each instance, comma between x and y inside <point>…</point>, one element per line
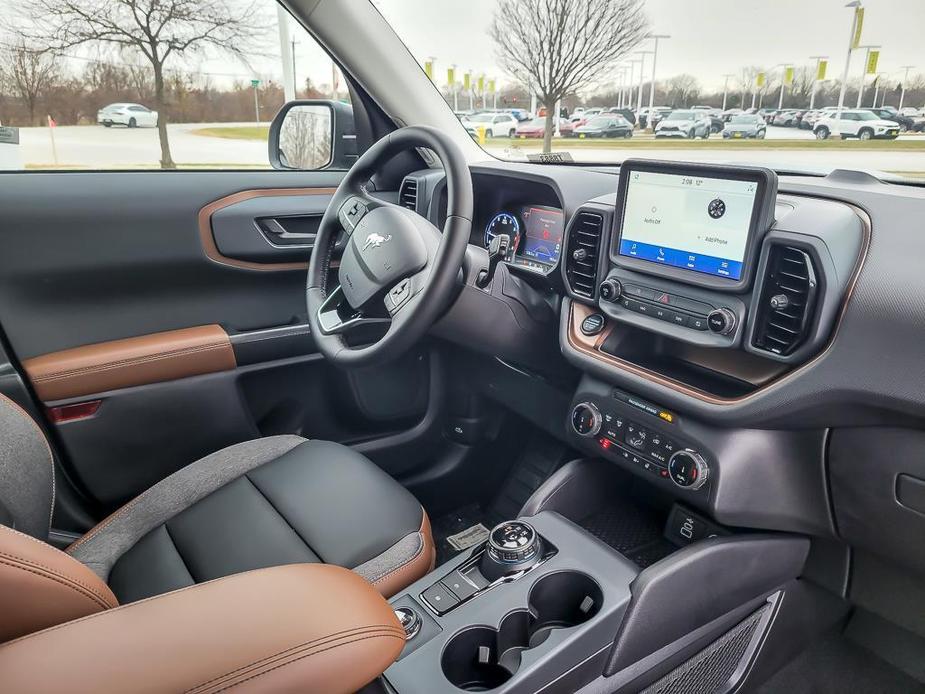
<point>113,288</point>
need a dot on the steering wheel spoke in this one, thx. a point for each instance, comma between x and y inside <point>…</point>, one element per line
<point>396,269</point>
<point>336,317</point>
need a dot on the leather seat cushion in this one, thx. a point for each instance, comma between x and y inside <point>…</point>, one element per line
<point>315,502</point>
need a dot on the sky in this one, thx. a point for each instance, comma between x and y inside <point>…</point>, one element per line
<point>708,38</point>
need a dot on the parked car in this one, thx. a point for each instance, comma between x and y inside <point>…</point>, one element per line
<point>585,116</point>
<point>605,125</point>
<point>521,114</point>
<point>537,128</point>
<point>891,114</point>
<point>730,112</point>
<point>745,126</point>
<point>858,123</point>
<point>658,113</point>
<point>767,113</point>
<point>685,123</point>
<point>129,115</point>
<point>912,112</point>
<point>809,119</point>
<point>787,118</point>
<point>627,113</point>
<point>495,124</point>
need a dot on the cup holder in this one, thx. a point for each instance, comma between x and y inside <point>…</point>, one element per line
<point>481,658</point>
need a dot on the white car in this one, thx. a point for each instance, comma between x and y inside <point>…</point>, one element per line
<point>129,115</point>
<point>863,125</point>
<point>496,124</point>
<point>687,123</point>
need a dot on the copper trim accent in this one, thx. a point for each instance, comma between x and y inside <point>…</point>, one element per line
<point>591,346</point>
<point>208,241</point>
<point>132,361</point>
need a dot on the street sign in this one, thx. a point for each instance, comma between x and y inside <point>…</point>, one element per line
<point>872,61</point>
<point>820,69</point>
<point>255,83</point>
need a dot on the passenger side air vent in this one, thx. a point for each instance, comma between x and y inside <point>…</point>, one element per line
<point>408,194</point>
<point>582,252</point>
<point>787,302</point>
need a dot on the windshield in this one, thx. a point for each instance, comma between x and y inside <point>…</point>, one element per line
<point>657,57</point>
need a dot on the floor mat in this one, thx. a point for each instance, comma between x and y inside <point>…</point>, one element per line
<point>632,529</point>
<point>452,523</point>
<point>835,665</point>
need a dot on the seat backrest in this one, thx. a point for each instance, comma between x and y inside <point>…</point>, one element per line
<point>27,473</point>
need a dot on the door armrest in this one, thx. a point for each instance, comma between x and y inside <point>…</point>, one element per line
<point>301,627</point>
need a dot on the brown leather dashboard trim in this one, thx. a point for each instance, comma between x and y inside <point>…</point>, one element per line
<point>133,361</point>
<point>208,241</point>
<point>591,346</point>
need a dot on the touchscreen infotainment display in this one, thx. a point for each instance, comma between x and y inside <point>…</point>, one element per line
<point>690,222</point>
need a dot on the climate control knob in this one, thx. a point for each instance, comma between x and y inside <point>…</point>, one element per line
<point>586,419</point>
<point>722,321</point>
<point>688,469</point>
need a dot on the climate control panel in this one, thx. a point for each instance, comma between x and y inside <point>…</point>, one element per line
<point>639,435</point>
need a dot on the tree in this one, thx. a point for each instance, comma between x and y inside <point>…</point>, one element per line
<point>682,89</point>
<point>561,46</point>
<point>158,30</point>
<point>30,73</point>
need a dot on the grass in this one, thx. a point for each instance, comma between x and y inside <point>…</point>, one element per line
<point>237,132</point>
<point>566,143</point>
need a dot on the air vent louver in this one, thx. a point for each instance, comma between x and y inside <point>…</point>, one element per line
<point>788,294</point>
<point>582,252</point>
<point>408,194</point>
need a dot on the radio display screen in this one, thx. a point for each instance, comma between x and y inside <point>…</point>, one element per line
<point>691,222</point>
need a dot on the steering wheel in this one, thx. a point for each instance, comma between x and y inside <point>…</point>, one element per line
<point>397,268</point>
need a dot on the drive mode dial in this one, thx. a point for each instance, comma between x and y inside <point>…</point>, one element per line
<point>586,419</point>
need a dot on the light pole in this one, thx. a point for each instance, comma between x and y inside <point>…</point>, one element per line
<point>856,4</point>
<point>864,71</point>
<point>902,93</point>
<point>642,65</point>
<point>726,88</point>
<point>632,86</point>
<point>282,21</point>
<point>812,94</point>
<point>654,37</point>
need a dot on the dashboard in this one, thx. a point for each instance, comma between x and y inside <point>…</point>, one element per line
<point>535,233</point>
<point>749,355</point>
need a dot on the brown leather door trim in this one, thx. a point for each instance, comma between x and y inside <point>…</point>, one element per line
<point>208,241</point>
<point>133,361</point>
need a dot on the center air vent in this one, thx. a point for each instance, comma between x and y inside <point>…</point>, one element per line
<point>788,295</point>
<point>408,194</point>
<point>582,252</point>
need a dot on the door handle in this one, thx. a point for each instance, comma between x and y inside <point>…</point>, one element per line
<point>272,226</point>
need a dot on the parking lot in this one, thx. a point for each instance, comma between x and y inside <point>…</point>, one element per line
<point>95,147</point>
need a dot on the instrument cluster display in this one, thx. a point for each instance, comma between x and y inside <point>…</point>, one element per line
<point>536,235</point>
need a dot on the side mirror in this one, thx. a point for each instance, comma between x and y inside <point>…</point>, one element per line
<point>313,134</point>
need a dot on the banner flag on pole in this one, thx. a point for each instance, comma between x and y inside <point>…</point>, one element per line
<point>820,70</point>
<point>858,23</point>
<point>872,61</point>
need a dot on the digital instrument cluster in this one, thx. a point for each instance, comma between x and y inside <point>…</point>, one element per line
<point>535,232</point>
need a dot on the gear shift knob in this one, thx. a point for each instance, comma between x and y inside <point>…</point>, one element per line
<point>512,546</point>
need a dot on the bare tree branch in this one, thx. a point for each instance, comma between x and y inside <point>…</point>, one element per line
<point>556,47</point>
<point>29,73</point>
<point>157,29</point>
